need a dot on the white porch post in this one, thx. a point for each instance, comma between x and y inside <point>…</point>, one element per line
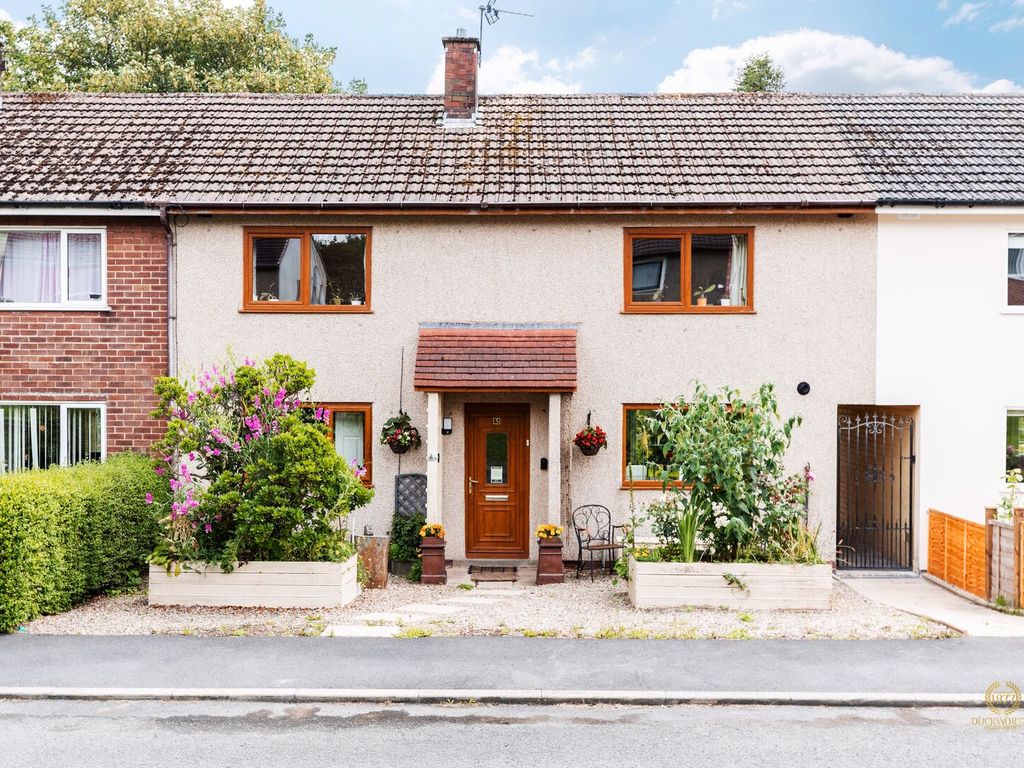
<point>555,459</point>
<point>434,511</point>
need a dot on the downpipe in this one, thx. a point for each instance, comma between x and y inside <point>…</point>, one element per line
<point>172,295</point>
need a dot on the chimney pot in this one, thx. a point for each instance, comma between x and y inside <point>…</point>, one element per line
<point>461,65</point>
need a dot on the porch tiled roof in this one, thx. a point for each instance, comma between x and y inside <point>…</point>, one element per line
<point>495,358</point>
<point>587,150</point>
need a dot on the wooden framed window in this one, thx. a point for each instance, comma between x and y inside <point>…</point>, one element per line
<point>307,270</point>
<point>689,270</point>
<point>638,451</point>
<point>351,430</point>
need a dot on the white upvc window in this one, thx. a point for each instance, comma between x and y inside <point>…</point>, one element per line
<point>1015,273</point>
<point>61,268</point>
<point>37,435</point>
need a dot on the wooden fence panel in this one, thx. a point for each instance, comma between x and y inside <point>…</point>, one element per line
<point>957,552</point>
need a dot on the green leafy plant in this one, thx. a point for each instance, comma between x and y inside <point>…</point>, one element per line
<point>405,541</point>
<point>70,532</point>
<point>399,433</point>
<point>1011,500</point>
<point>735,581</point>
<point>165,46</point>
<point>251,471</point>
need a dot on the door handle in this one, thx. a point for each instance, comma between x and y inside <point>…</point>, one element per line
<point>471,483</point>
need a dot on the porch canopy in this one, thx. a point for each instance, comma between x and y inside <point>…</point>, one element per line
<point>496,357</point>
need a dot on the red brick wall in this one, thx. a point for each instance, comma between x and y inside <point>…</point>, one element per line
<point>101,356</point>
<point>460,72</point>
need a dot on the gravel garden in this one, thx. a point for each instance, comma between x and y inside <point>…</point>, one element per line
<point>598,609</point>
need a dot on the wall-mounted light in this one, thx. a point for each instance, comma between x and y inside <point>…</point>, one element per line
<point>446,425</point>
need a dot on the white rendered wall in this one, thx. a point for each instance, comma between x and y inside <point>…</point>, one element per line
<point>947,343</point>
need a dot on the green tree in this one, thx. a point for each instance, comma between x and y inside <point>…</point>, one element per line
<point>760,75</point>
<point>162,46</point>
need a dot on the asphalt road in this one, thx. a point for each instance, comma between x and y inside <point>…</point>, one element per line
<point>960,665</point>
<point>112,734</point>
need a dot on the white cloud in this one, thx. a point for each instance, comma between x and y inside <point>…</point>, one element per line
<point>1008,25</point>
<point>723,8</point>
<point>1002,86</point>
<point>468,14</point>
<point>5,16</point>
<point>818,61</point>
<point>966,12</point>
<point>512,70</point>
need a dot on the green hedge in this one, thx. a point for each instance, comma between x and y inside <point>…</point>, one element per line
<point>70,532</point>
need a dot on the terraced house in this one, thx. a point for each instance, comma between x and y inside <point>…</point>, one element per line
<point>508,269</point>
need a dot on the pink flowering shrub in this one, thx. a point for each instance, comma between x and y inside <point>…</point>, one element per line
<point>252,473</point>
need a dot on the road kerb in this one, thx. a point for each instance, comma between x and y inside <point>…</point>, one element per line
<point>500,696</point>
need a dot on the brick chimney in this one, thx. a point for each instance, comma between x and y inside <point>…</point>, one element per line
<point>461,64</point>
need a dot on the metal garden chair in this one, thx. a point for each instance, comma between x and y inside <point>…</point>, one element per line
<point>595,535</point>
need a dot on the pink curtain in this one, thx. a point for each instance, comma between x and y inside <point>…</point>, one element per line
<point>30,268</point>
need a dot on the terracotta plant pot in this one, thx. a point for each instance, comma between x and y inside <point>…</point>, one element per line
<point>399,448</point>
<point>702,301</point>
<point>550,569</point>
<point>589,450</point>
<point>432,561</point>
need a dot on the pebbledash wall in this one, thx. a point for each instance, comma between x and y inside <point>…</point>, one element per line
<point>948,342</point>
<point>814,322</point>
<point>110,356</point>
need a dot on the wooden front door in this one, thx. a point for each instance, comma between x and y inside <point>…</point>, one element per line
<point>498,481</point>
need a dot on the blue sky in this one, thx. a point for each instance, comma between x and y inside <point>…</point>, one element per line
<point>671,45</point>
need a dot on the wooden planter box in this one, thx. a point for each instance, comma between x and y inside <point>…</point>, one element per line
<point>258,584</point>
<point>767,585</point>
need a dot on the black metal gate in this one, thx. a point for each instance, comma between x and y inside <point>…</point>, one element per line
<point>875,494</point>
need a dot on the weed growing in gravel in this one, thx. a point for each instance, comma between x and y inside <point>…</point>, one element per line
<point>739,634</point>
<point>467,587</point>
<point>610,633</point>
<point>745,617</point>
<point>410,633</point>
<point>538,632</point>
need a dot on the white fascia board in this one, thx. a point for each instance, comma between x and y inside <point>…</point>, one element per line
<point>949,210</point>
<point>75,210</point>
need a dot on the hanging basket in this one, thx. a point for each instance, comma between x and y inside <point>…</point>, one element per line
<point>589,450</point>
<point>399,448</point>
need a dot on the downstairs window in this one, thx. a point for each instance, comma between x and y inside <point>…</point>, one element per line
<point>41,435</point>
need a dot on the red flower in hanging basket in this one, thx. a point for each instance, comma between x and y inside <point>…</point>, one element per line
<point>590,440</point>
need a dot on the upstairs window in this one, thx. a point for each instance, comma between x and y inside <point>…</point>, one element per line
<point>697,270</point>
<point>322,270</point>
<point>41,435</point>
<point>1015,272</point>
<point>52,268</point>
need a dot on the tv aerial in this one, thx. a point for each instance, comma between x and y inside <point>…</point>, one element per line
<point>492,15</point>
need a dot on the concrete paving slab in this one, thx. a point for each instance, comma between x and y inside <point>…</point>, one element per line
<point>389,618</point>
<point>925,598</point>
<point>467,600</point>
<point>429,608</point>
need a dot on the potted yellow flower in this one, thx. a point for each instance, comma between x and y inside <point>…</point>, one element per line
<point>432,561</point>
<point>550,569</point>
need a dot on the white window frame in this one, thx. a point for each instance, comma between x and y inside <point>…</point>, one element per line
<point>65,406</point>
<point>64,305</point>
<point>1008,308</point>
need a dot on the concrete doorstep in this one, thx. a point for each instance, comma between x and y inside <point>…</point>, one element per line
<point>498,696</point>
